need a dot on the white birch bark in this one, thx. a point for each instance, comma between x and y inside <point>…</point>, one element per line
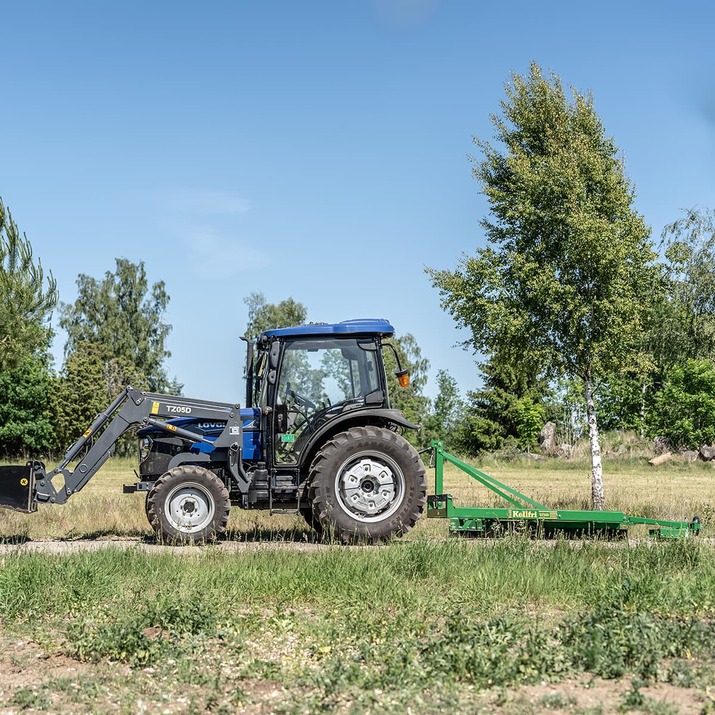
<point>598,494</point>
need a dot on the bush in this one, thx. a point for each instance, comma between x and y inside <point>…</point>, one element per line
<point>685,408</point>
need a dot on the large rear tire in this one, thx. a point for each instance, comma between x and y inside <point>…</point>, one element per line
<point>311,520</point>
<point>188,505</point>
<point>367,484</point>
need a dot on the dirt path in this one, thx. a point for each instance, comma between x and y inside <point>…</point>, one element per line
<point>58,546</point>
<point>67,546</point>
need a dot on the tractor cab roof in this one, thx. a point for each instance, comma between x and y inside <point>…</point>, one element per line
<point>359,326</point>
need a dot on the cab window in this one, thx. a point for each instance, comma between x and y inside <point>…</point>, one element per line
<point>319,379</point>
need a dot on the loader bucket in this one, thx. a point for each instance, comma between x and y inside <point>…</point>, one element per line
<point>17,488</point>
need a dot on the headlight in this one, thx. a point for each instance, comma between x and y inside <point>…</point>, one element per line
<point>144,448</point>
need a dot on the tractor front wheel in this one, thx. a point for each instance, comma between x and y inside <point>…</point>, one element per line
<point>188,504</point>
<point>367,484</point>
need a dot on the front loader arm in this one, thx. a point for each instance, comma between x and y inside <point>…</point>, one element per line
<point>131,408</point>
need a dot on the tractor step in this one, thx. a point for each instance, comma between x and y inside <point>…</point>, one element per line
<point>283,497</point>
<point>284,507</point>
<point>17,488</point>
<point>137,487</point>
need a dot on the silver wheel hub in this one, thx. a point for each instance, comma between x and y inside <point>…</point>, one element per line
<point>189,508</point>
<point>369,488</point>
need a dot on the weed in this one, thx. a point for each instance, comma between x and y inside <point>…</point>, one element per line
<point>610,642</point>
<point>30,699</point>
<point>557,701</point>
<point>634,699</point>
<point>498,652</point>
<point>369,630</point>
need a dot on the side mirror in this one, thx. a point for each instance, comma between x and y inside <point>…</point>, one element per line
<point>403,376</point>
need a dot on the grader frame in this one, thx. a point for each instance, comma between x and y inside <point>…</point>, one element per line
<point>524,513</point>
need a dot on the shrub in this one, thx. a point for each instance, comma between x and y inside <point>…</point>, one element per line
<point>685,408</point>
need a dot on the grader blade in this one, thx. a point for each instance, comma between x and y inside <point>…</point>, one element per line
<point>17,488</point>
<point>531,515</point>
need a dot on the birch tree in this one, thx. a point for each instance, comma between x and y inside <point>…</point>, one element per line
<point>263,315</point>
<point>561,285</point>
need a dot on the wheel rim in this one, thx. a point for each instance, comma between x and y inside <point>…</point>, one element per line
<point>189,508</point>
<point>369,488</point>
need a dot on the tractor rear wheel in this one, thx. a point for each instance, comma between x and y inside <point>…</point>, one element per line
<point>367,484</point>
<point>311,520</point>
<point>188,505</point>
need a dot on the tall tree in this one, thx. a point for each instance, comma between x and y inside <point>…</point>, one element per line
<point>90,379</point>
<point>563,282</point>
<point>26,299</point>
<point>680,326</point>
<point>508,408</point>
<point>686,325</point>
<point>27,428</point>
<point>411,400</point>
<point>125,315</point>
<point>684,410</point>
<point>447,412</point>
<point>263,315</point>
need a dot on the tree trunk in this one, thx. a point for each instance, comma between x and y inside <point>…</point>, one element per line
<point>641,413</point>
<point>598,495</point>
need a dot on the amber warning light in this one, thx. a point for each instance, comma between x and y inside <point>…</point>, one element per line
<point>403,378</point>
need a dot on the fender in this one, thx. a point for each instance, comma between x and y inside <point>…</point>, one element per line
<point>188,458</point>
<point>360,417</point>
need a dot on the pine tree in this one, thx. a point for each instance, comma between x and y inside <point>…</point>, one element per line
<point>25,301</point>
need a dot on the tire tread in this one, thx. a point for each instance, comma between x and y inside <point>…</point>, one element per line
<point>188,472</point>
<point>321,477</point>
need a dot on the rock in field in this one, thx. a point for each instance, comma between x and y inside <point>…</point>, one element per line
<point>707,453</point>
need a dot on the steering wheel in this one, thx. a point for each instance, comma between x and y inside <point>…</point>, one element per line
<point>300,400</point>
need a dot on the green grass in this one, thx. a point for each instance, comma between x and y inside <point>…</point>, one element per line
<point>426,622</point>
<point>437,621</point>
<point>427,577</point>
<point>676,491</point>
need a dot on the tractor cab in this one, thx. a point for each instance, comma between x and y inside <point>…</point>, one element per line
<point>313,380</point>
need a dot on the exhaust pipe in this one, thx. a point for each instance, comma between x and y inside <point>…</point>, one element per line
<point>17,487</point>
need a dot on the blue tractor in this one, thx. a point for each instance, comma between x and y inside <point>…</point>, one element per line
<point>316,437</point>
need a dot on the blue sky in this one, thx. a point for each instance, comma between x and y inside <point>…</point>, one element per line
<point>317,148</point>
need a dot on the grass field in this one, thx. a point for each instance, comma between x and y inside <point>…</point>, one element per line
<point>422,625</point>
<point>676,490</point>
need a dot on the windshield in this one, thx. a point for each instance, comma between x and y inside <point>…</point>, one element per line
<point>321,378</point>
